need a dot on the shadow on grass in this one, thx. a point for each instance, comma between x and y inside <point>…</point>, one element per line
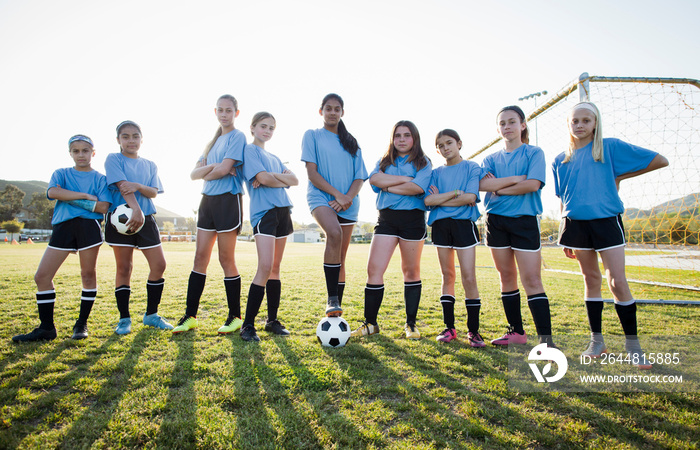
<point>100,407</point>
<point>324,407</point>
<point>178,428</point>
<point>416,415</point>
<point>254,426</point>
<point>23,421</point>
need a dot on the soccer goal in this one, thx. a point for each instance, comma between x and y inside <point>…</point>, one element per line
<point>662,208</point>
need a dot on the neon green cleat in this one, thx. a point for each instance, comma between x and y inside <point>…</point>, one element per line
<point>231,325</point>
<point>185,324</point>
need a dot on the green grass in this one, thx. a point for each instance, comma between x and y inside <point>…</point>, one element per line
<point>199,390</point>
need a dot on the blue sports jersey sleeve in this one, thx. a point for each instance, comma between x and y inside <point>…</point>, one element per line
<point>253,162</point>
<point>309,151</point>
<point>537,168</point>
<point>627,157</point>
<point>422,178</point>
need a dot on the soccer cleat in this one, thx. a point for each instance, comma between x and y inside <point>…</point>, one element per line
<point>511,337</point>
<point>475,340</point>
<point>80,330</point>
<point>333,309</point>
<point>185,324</point>
<point>634,350</point>
<point>447,335</point>
<point>232,324</point>
<point>156,321</point>
<point>275,327</point>
<point>248,334</point>
<point>411,331</point>
<point>366,329</point>
<point>596,347</point>
<point>124,326</point>
<point>38,334</point>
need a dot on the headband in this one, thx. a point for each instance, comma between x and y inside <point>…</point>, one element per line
<point>80,137</point>
<point>125,123</point>
<point>587,106</point>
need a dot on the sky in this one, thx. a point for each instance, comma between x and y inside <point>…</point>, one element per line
<point>76,66</point>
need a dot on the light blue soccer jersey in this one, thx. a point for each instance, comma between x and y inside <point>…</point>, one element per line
<point>404,202</point>
<point>137,170</point>
<point>587,187</point>
<point>92,182</point>
<point>463,176</point>
<point>525,160</point>
<point>229,146</point>
<point>263,198</point>
<point>335,165</point>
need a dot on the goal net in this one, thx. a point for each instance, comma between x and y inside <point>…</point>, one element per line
<point>662,208</point>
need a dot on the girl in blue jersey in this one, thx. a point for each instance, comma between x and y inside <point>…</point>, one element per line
<point>592,224</point>
<point>134,180</point>
<point>271,219</point>
<point>83,199</point>
<point>220,216</point>
<point>401,179</point>
<point>336,173</point>
<point>513,181</point>
<point>454,193</point>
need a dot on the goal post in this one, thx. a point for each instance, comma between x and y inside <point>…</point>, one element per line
<point>662,208</point>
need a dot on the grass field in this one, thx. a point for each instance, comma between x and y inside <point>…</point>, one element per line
<point>150,389</point>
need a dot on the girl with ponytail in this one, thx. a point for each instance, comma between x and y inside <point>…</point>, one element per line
<point>220,216</point>
<point>514,178</point>
<point>336,173</point>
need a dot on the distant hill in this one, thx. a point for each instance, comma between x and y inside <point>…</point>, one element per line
<point>687,205</point>
<point>29,187</point>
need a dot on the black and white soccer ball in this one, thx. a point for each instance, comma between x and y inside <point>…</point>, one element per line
<point>333,332</point>
<point>120,217</point>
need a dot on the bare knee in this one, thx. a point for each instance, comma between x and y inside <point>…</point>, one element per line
<point>448,277</point>
<point>89,277</point>
<point>41,278</point>
<point>468,279</point>
<point>411,274</point>
<point>124,271</point>
<point>592,280</point>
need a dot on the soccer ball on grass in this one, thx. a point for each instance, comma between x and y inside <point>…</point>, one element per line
<point>333,332</point>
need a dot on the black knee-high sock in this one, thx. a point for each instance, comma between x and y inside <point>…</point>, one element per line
<point>45,301</point>
<point>274,293</point>
<point>448,310</point>
<point>123,293</point>
<point>154,292</point>
<point>255,298</point>
<point>341,290</point>
<point>411,296</point>
<point>233,295</point>
<point>195,287</point>
<point>87,299</point>
<point>539,308</point>
<point>628,318</point>
<point>374,294</point>
<point>332,272</point>
<point>594,309</point>
<point>511,306</point>
<point>473,309</point>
